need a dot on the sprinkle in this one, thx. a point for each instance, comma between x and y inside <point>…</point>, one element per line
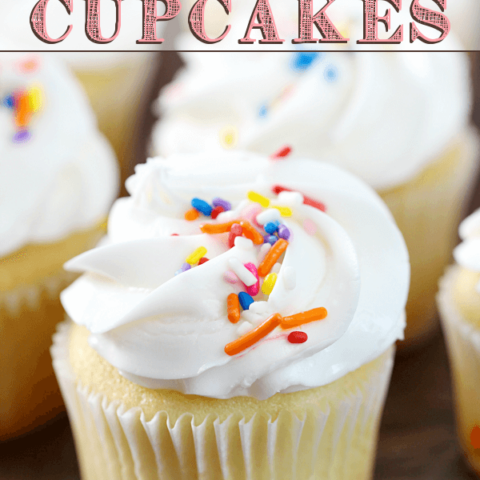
<point>263,252</point>
<point>276,268</point>
<point>195,256</point>
<point>21,136</point>
<point>245,300</point>
<point>284,211</point>
<point>306,200</point>
<point>203,260</point>
<point>272,256</point>
<point>304,60</point>
<point>230,277</point>
<point>297,337</point>
<point>309,226</point>
<point>291,199</point>
<point>257,198</point>
<point>213,228</point>
<point>233,308</point>
<point>284,232</point>
<point>202,206</point>
<point>269,215</point>
<point>35,99</point>
<point>304,317</point>
<point>9,101</point>
<point>183,268</point>
<point>271,227</point>
<point>217,211</point>
<point>245,275</point>
<point>244,328</point>
<point>269,283</point>
<point>253,336</point>
<point>250,213</point>
<point>250,232</point>
<point>243,243</point>
<point>236,230</point>
<point>331,73</point>
<point>270,239</point>
<point>228,137</point>
<point>174,235</point>
<point>255,288</point>
<point>259,308</point>
<point>192,215</point>
<point>263,111</point>
<point>283,152</point>
<point>220,202</point>
<point>289,278</point>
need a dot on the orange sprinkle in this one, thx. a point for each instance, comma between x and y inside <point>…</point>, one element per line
<point>475,437</point>
<point>192,215</point>
<point>252,337</point>
<point>233,308</point>
<point>24,113</point>
<point>250,232</point>
<point>272,256</point>
<point>304,317</point>
<point>212,228</point>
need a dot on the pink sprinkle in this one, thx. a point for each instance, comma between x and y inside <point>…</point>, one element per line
<point>174,235</point>
<point>309,226</point>
<point>255,288</point>
<point>250,213</point>
<point>230,277</point>
<point>235,231</point>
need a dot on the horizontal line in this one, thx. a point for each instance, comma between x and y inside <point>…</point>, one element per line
<point>237,51</point>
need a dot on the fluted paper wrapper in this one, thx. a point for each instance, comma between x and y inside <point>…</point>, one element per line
<point>463,343</point>
<point>335,441</point>
<point>428,210</point>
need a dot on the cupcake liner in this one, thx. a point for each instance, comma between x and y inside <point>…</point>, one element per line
<point>427,211</point>
<point>463,344</point>
<point>330,441</point>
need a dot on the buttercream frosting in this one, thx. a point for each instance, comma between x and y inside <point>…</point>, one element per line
<point>58,174</point>
<point>164,326</point>
<point>467,254</point>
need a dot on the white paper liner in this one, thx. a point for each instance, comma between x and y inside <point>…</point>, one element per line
<point>336,442</point>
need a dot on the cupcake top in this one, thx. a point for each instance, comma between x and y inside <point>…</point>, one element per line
<point>350,109</point>
<point>467,254</point>
<point>57,172</point>
<point>237,274</point>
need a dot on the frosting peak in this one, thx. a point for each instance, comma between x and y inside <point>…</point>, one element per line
<point>215,260</point>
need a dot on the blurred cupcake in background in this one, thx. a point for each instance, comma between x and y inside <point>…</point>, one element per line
<point>459,305</point>
<point>238,322</point>
<point>116,82</point>
<point>58,178</point>
<point>399,121</point>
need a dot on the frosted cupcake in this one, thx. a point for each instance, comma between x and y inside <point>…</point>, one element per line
<point>58,177</point>
<point>114,81</point>
<point>459,304</point>
<point>375,114</point>
<point>239,322</point>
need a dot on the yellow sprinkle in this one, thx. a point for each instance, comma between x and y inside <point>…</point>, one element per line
<point>257,198</point>
<point>229,137</point>
<point>284,211</point>
<point>196,255</point>
<point>35,98</point>
<point>269,283</point>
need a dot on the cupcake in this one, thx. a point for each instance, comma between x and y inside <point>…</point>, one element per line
<point>58,178</point>
<point>115,81</point>
<point>459,305</point>
<point>375,114</point>
<point>239,321</point>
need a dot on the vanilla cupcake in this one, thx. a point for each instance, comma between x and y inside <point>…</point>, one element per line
<point>115,81</point>
<point>58,178</point>
<point>239,321</point>
<point>459,305</point>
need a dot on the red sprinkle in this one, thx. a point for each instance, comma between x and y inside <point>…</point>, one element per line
<point>174,235</point>
<point>306,200</point>
<point>203,260</point>
<point>283,152</point>
<point>298,337</point>
<point>217,211</point>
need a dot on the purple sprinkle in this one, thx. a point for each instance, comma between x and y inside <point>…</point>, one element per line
<point>271,239</point>
<point>21,136</point>
<point>283,232</point>
<point>183,268</point>
<point>219,202</point>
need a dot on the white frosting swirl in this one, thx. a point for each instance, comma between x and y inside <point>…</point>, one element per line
<point>167,331</point>
<point>64,176</point>
<point>467,254</point>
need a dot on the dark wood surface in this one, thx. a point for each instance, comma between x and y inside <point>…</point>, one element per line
<point>417,437</point>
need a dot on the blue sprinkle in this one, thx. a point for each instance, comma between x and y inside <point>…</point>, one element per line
<point>271,239</point>
<point>304,60</point>
<point>245,300</point>
<point>21,136</point>
<point>271,227</point>
<point>331,73</point>
<point>284,232</point>
<point>183,268</point>
<point>9,101</point>
<point>202,206</point>
<point>263,111</point>
<point>220,202</point>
